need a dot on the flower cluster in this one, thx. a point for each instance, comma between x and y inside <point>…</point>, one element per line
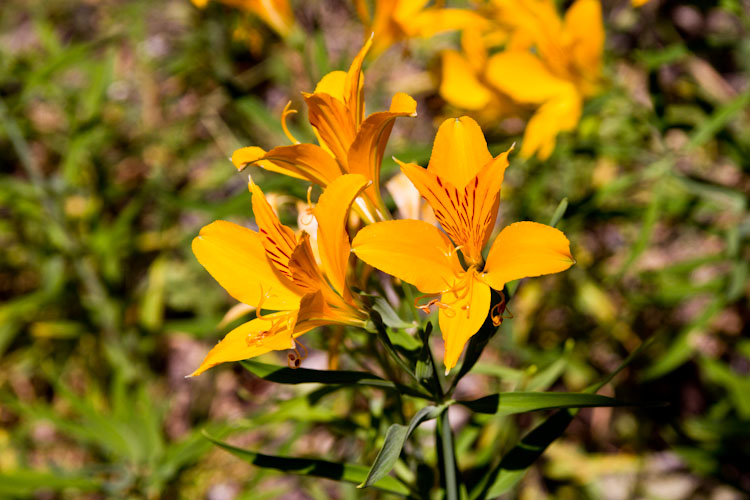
<point>298,281</point>
<point>529,58</point>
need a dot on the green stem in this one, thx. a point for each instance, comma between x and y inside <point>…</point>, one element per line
<point>409,297</point>
<point>383,337</point>
<point>449,457</point>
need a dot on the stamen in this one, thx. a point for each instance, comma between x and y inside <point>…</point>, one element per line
<point>294,358</point>
<point>259,307</point>
<point>453,250</point>
<point>449,311</point>
<point>256,340</point>
<point>425,308</point>
<point>284,114</point>
<point>498,310</point>
<point>308,216</point>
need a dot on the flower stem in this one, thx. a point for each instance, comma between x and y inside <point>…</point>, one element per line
<point>449,457</point>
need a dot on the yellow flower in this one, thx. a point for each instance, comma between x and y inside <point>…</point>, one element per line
<point>277,14</point>
<point>548,63</point>
<point>397,20</point>
<point>349,143</point>
<point>272,269</point>
<point>462,184</point>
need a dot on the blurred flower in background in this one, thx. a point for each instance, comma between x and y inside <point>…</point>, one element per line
<point>393,21</point>
<point>277,14</point>
<point>546,63</point>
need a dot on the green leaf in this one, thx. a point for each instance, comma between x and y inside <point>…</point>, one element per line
<point>286,375</point>
<point>349,473</point>
<point>395,438</point>
<point>512,467</point>
<point>389,315</point>
<point>709,128</point>
<point>559,212</point>
<point>514,464</point>
<point>508,403</point>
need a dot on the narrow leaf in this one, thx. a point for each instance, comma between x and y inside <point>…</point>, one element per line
<point>394,442</point>
<point>349,473</point>
<point>512,467</point>
<point>294,376</point>
<point>508,403</point>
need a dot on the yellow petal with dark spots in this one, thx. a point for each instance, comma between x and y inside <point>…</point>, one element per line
<point>235,257</point>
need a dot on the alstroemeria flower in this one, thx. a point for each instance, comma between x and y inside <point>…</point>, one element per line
<point>397,20</point>
<point>277,14</point>
<point>349,143</point>
<point>547,62</point>
<point>462,184</point>
<point>275,270</point>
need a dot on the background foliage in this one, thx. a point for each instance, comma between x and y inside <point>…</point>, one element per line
<point>116,121</point>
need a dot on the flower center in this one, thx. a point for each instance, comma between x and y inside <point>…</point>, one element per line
<point>462,291</point>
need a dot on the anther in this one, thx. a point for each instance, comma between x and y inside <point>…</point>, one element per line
<point>498,310</point>
<point>294,358</point>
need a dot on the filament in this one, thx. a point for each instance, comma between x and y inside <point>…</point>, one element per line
<point>287,111</point>
<point>259,307</point>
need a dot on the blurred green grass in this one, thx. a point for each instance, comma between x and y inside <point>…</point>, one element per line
<point>116,121</point>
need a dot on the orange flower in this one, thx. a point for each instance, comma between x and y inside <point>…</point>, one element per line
<point>349,143</point>
<point>272,269</point>
<point>462,184</point>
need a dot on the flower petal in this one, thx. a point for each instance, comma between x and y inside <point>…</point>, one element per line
<point>524,77</point>
<point>467,214</point>
<point>354,83</point>
<point>459,151</point>
<point>584,37</point>
<point>560,114</point>
<point>276,13</point>
<point>333,124</point>
<point>235,257</point>
<point>408,199</point>
<point>278,240</point>
<point>332,84</point>
<point>466,310</point>
<point>434,20</point>
<point>302,161</point>
<point>305,271</point>
<point>459,84</point>
<point>526,249</point>
<point>411,250</point>
<point>366,152</point>
<point>273,332</point>
<point>332,213</point>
